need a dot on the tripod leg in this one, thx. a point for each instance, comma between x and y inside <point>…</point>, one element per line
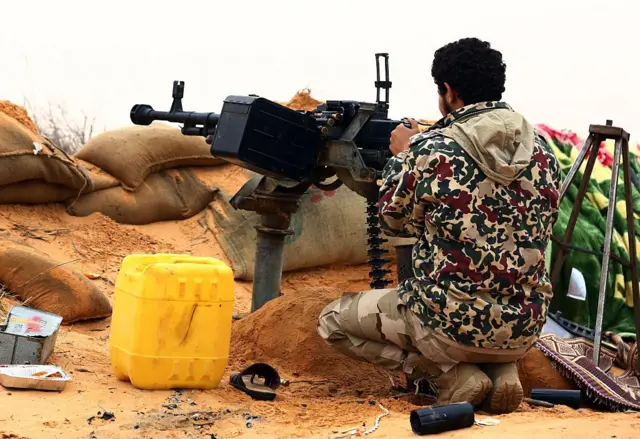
<point>593,142</point>
<point>606,252</point>
<point>631,226</point>
<point>571,175</point>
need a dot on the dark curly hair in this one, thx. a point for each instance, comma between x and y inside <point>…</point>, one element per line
<point>472,69</point>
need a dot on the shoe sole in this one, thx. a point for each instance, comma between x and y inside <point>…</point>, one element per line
<point>472,392</point>
<point>421,400</point>
<point>506,398</point>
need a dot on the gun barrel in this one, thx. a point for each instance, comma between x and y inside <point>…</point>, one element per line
<point>194,123</point>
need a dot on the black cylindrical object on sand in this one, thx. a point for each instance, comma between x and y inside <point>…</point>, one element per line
<point>434,420</point>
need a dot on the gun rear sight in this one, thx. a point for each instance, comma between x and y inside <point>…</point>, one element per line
<point>384,84</point>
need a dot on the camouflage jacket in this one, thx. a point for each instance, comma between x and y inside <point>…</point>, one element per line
<point>479,191</point>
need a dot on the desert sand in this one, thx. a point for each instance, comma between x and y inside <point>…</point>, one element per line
<point>96,245</point>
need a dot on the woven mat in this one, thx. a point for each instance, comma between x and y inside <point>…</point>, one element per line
<point>573,359</point>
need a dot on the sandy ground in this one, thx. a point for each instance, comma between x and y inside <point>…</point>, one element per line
<point>99,245</point>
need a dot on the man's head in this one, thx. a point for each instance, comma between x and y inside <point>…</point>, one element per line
<point>466,72</point>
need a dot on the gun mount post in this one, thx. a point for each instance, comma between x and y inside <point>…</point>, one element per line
<point>275,203</point>
<point>269,259</point>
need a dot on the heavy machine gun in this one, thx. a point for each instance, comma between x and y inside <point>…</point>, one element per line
<point>340,142</point>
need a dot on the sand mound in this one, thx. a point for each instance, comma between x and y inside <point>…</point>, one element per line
<point>537,372</point>
<point>283,334</point>
<point>302,101</point>
<point>19,114</point>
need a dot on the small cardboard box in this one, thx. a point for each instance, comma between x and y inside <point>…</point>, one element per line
<point>28,336</point>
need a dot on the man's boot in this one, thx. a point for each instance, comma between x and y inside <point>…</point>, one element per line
<point>507,393</point>
<point>464,383</point>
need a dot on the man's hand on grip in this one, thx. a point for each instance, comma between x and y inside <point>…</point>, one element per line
<point>400,136</point>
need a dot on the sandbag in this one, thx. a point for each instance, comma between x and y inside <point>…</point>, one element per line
<point>35,192</point>
<point>329,228</point>
<point>41,192</point>
<point>99,178</point>
<point>25,156</point>
<point>42,283</point>
<point>226,177</point>
<point>131,154</point>
<point>166,195</point>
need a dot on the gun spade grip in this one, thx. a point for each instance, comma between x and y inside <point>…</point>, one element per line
<point>435,420</point>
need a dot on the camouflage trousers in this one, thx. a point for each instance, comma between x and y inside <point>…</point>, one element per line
<point>375,326</point>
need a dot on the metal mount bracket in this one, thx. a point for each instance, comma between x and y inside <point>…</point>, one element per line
<point>275,202</point>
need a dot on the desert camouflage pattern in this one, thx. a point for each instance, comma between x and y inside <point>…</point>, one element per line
<point>375,326</point>
<point>479,261</point>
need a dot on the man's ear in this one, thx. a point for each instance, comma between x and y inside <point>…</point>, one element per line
<point>450,96</point>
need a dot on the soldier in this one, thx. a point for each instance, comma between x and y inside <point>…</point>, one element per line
<point>479,192</point>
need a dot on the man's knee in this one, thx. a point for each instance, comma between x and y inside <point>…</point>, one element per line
<point>329,322</point>
<point>360,315</point>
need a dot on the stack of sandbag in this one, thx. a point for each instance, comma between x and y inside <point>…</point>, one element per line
<point>33,170</point>
<point>156,169</point>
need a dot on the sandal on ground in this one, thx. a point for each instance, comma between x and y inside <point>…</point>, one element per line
<point>262,391</point>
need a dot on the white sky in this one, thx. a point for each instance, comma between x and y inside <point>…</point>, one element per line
<point>568,64</point>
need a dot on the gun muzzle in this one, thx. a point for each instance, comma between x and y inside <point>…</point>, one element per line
<point>142,114</point>
<point>195,124</point>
